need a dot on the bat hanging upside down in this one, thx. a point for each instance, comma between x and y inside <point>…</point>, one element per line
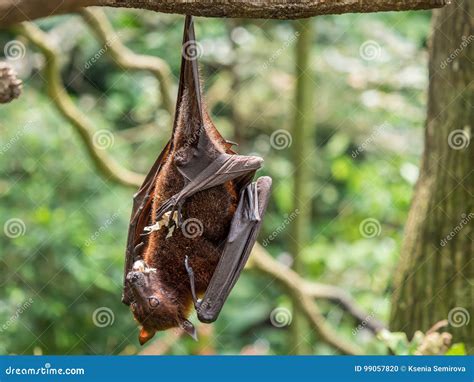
<point>194,220</point>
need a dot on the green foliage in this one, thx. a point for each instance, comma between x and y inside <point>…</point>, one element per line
<point>457,349</point>
<point>421,344</point>
<point>69,259</point>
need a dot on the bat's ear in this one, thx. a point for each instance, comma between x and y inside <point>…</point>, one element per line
<point>145,335</point>
<point>189,328</point>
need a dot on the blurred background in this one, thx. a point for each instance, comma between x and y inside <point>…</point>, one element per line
<point>61,272</point>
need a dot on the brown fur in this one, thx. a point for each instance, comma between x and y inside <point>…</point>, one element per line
<point>214,208</point>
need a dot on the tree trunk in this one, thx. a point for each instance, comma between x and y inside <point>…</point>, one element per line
<point>435,279</point>
<point>302,134</point>
<point>13,11</point>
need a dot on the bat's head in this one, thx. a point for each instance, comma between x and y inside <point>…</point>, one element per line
<point>153,306</point>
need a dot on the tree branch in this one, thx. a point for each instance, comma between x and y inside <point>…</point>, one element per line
<point>125,58</point>
<point>344,299</point>
<point>104,163</point>
<point>295,286</point>
<point>14,11</point>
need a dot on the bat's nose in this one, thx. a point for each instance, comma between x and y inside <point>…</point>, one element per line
<point>133,277</point>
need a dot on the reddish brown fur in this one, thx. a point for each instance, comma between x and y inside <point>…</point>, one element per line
<point>214,208</point>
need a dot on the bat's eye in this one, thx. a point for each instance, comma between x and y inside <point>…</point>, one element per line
<point>153,301</point>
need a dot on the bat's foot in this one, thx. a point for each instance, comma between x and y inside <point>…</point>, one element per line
<point>168,207</point>
<point>196,301</point>
<point>176,216</point>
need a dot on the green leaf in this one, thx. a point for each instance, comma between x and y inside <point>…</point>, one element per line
<point>457,349</point>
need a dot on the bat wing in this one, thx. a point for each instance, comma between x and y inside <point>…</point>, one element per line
<point>201,160</point>
<point>224,168</point>
<point>142,200</point>
<point>243,233</point>
<point>141,214</point>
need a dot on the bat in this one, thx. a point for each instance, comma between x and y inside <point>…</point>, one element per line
<point>195,218</point>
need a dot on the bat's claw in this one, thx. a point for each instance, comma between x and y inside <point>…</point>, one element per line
<point>173,217</point>
<point>137,248</point>
<point>152,228</point>
<point>166,207</point>
<point>197,302</point>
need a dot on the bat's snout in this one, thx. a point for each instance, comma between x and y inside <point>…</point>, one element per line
<point>136,278</point>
